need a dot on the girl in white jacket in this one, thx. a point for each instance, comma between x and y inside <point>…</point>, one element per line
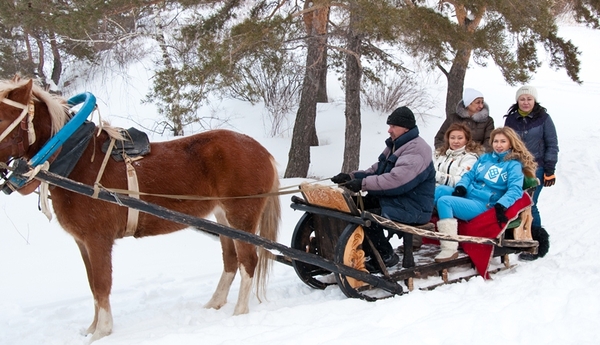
<point>456,156</point>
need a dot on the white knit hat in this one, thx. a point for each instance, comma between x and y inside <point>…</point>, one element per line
<point>469,95</point>
<point>526,90</point>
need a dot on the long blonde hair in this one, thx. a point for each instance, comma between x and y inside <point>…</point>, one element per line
<point>519,150</point>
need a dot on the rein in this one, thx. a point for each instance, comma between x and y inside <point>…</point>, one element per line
<point>282,191</point>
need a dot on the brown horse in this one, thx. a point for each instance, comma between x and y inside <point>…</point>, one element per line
<point>217,164</point>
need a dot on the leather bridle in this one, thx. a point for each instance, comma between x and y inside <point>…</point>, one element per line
<point>25,128</point>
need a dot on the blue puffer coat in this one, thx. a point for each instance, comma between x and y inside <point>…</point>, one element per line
<point>494,180</point>
<point>538,133</point>
<point>403,179</point>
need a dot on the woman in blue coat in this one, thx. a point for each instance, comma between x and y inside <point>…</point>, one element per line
<point>496,180</point>
<point>535,127</point>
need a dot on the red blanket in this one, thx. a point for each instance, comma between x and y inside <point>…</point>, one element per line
<point>486,225</point>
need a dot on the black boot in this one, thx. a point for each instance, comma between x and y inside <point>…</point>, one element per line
<point>382,245</point>
<point>541,235</point>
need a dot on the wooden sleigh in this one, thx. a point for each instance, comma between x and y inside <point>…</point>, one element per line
<point>333,227</point>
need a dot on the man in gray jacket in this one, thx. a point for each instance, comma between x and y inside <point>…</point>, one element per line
<point>401,182</point>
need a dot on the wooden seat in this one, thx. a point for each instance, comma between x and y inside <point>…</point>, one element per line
<point>521,227</point>
<point>329,197</point>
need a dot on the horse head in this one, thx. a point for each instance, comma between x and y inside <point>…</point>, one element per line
<point>15,120</point>
<point>29,116</point>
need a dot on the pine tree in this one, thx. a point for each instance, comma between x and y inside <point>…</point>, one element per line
<point>448,34</point>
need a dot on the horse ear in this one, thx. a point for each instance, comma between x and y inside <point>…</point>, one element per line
<point>23,93</point>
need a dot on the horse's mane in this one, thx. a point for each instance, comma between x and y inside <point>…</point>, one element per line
<point>57,106</point>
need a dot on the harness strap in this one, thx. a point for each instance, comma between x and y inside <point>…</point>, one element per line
<point>97,184</point>
<point>44,187</point>
<point>30,129</point>
<point>132,185</point>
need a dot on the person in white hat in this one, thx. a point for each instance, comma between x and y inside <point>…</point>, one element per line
<point>535,127</point>
<point>473,112</point>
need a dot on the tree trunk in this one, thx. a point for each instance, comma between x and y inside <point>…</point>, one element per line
<point>352,112</point>
<point>305,134</point>
<point>28,46</point>
<point>40,65</point>
<point>174,111</point>
<point>456,79</point>
<point>304,126</point>
<point>322,95</point>
<point>57,60</point>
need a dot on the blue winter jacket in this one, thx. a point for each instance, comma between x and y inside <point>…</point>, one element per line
<point>538,133</point>
<point>403,179</point>
<point>494,180</point>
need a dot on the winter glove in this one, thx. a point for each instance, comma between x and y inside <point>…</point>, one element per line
<point>460,191</point>
<point>341,178</point>
<point>354,185</point>
<point>501,214</point>
<point>549,180</point>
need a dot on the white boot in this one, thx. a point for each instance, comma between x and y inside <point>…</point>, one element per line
<point>448,226</point>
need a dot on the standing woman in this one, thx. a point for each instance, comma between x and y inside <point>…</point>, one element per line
<point>473,112</point>
<point>535,127</point>
<point>496,181</point>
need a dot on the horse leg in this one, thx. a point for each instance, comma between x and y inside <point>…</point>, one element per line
<point>99,255</point>
<point>88,270</point>
<point>247,260</point>
<point>219,297</point>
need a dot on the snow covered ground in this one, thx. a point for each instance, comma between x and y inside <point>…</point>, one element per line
<point>161,283</point>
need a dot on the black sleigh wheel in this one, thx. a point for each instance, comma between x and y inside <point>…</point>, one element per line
<point>349,252</point>
<point>307,239</point>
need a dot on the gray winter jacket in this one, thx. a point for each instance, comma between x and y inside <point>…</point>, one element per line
<point>403,179</point>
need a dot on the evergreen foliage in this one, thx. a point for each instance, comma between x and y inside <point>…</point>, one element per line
<point>48,32</point>
<point>446,34</point>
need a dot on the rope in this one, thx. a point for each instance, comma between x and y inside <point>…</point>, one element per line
<point>44,188</point>
<point>282,191</point>
<point>203,198</point>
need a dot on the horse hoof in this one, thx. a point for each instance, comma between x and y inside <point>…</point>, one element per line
<point>98,335</point>
<point>242,311</point>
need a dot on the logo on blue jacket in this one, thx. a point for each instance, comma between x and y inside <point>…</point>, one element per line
<point>494,173</point>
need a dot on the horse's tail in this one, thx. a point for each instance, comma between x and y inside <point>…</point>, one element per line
<point>269,227</point>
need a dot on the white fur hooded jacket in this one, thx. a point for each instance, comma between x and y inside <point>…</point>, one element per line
<point>450,167</point>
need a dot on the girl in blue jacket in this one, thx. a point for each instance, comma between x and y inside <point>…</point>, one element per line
<point>496,180</point>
